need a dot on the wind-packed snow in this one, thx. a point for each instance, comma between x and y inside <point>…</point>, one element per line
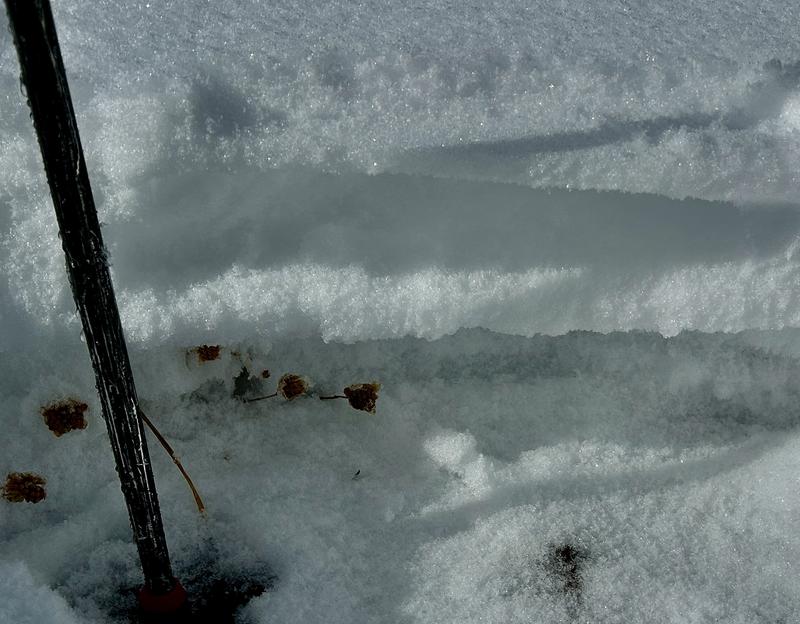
<point>564,237</point>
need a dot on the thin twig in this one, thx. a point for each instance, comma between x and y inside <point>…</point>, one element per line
<point>335,396</point>
<point>198,501</point>
<point>269,396</point>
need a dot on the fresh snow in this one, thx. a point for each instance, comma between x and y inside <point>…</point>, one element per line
<point>564,238</point>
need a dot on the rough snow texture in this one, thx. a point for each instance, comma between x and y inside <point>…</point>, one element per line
<point>234,148</point>
<point>671,464</point>
<point>414,193</point>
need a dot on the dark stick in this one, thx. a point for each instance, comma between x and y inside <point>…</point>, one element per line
<point>87,267</point>
<point>261,398</point>
<point>335,396</point>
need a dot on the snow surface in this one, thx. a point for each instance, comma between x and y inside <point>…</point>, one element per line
<point>433,195</point>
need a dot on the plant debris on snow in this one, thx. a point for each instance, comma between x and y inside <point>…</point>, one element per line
<point>64,416</point>
<point>24,487</point>
<point>363,396</point>
<point>565,562</point>
<point>245,384</point>
<point>291,386</point>
<point>207,353</point>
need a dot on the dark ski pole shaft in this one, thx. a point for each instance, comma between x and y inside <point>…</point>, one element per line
<point>45,83</point>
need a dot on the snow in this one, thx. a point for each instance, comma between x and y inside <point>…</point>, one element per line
<point>29,602</point>
<point>564,238</point>
<point>671,462</point>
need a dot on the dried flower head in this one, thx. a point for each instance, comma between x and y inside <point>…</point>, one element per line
<point>363,396</point>
<point>245,384</point>
<point>207,353</point>
<point>291,386</point>
<point>64,416</point>
<point>24,487</point>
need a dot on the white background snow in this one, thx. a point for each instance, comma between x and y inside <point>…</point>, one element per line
<point>565,237</point>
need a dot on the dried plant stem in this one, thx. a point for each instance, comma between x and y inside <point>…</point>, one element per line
<point>261,398</point>
<point>198,501</point>
<point>335,396</point>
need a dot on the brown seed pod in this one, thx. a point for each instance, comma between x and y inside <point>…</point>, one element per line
<point>363,396</point>
<point>291,386</point>
<point>64,416</point>
<point>24,487</point>
<point>207,353</point>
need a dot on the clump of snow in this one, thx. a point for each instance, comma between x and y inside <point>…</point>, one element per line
<point>457,454</point>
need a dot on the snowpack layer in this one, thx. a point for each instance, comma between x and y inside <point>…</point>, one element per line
<point>670,466</point>
<point>256,157</point>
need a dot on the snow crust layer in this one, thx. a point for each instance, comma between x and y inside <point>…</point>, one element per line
<point>233,149</point>
<point>221,255</point>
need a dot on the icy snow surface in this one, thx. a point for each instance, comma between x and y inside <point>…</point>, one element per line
<point>433,195</point>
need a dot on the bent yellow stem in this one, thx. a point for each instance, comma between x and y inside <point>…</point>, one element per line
<point>198,501</point>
